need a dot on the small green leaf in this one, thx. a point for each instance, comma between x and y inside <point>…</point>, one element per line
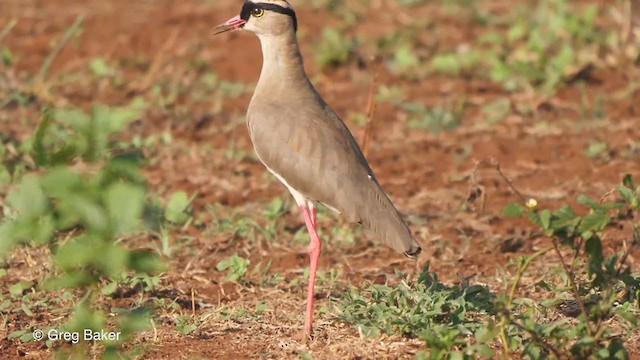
<point>26,309</point>
<point>17,334</point>
<point>627,181</point>
<point>18,288</point>
<point>303,355</point>
<point>109,288</point>
<point>545,219</point>
<point>626,193</point>
<point>125,204</point>
<point>237,265</point>
<point>594,222</point>
<point>486,334</point>
<point>41,156</point>
<point>628,316</point>
<point>593,248</point>
<point>188,329</point>
<point>100,68</point>
<point>586,200</point>
<point>514,210</point>
<point>145,262</point>
<point>28,200</point>
<point>175,211</point>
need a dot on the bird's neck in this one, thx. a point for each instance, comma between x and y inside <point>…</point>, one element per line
<point>282,66</point>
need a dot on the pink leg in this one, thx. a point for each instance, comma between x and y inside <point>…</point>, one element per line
<point>313,217</point>
<point>314,253</point>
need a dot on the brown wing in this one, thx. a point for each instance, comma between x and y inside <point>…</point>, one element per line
<point>316,154</point>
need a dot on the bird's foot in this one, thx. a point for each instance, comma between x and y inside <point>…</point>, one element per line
<point>303,336</point>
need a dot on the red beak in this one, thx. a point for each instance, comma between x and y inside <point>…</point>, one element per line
<point>233,24</point>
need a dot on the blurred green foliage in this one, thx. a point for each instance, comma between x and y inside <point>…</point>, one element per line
<point>79,197</point>
<point>335,48</point>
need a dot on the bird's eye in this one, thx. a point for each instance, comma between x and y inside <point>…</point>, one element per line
<point>257,12</point>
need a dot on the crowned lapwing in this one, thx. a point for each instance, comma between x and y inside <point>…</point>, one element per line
<point>305,144</point>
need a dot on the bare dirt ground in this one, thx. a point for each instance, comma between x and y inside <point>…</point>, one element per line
<point>169,44</point>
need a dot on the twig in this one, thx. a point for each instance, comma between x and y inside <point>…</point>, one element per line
<point>606,195</point>
<point>193,303</point>
<point>475,189</point>
<point>371,110</point>
<point>577,248</point>
<point>155,330</point>
<point>71,31</point>
<point>572,281</point>
<point>7,29</point>
<point>493,162</point>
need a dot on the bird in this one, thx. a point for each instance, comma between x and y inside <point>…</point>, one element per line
<point>303,142</point>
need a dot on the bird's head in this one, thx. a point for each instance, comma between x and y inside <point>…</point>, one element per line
<point>262,17</point>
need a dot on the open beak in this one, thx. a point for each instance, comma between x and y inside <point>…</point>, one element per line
<point>233,24</point>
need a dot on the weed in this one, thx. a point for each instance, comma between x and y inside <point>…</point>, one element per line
<point>186,324</point>
<point>608,289</point>
<point>335,49</point>
<point>100,68</point>
<point>496,111</point>
<point>391,94</point>
<point>436,119</point>
<point>406,62</point>
<point>238,225</point>
<point>177,210</point>
<point>242,313</point>
<point>236,266</point>
<point>466,321</point>
<point>72,133</point>
<point>542,50</point>
<point>80,214</point>
<point>463,61</point>
<point>273,214</point>
<point>598,150</point>
<point>442,316</point>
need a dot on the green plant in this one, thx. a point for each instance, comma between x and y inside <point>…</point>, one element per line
<point>406,62</point>
<point>496,110</point>
<point>186,324</point>
<point>273,214</point>
<point>335,49</point>
<point>435,119</point>
<point>177,209</point>
<point>543,45</point>
<point>469,321</point>
<point>598,150</point>
<point>237,225</point>
<point>66,134</point>
<point>455,63</point>
<point>242,313</point>
<point>444,317</point>
<point>80,214</point>
<point>237,267</point>
<point>603,288</point>
<point>100,68</point>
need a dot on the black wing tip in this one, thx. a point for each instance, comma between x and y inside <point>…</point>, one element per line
<point>413,252</point>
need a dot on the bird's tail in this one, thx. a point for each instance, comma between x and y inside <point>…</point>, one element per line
<point>381,217</point>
